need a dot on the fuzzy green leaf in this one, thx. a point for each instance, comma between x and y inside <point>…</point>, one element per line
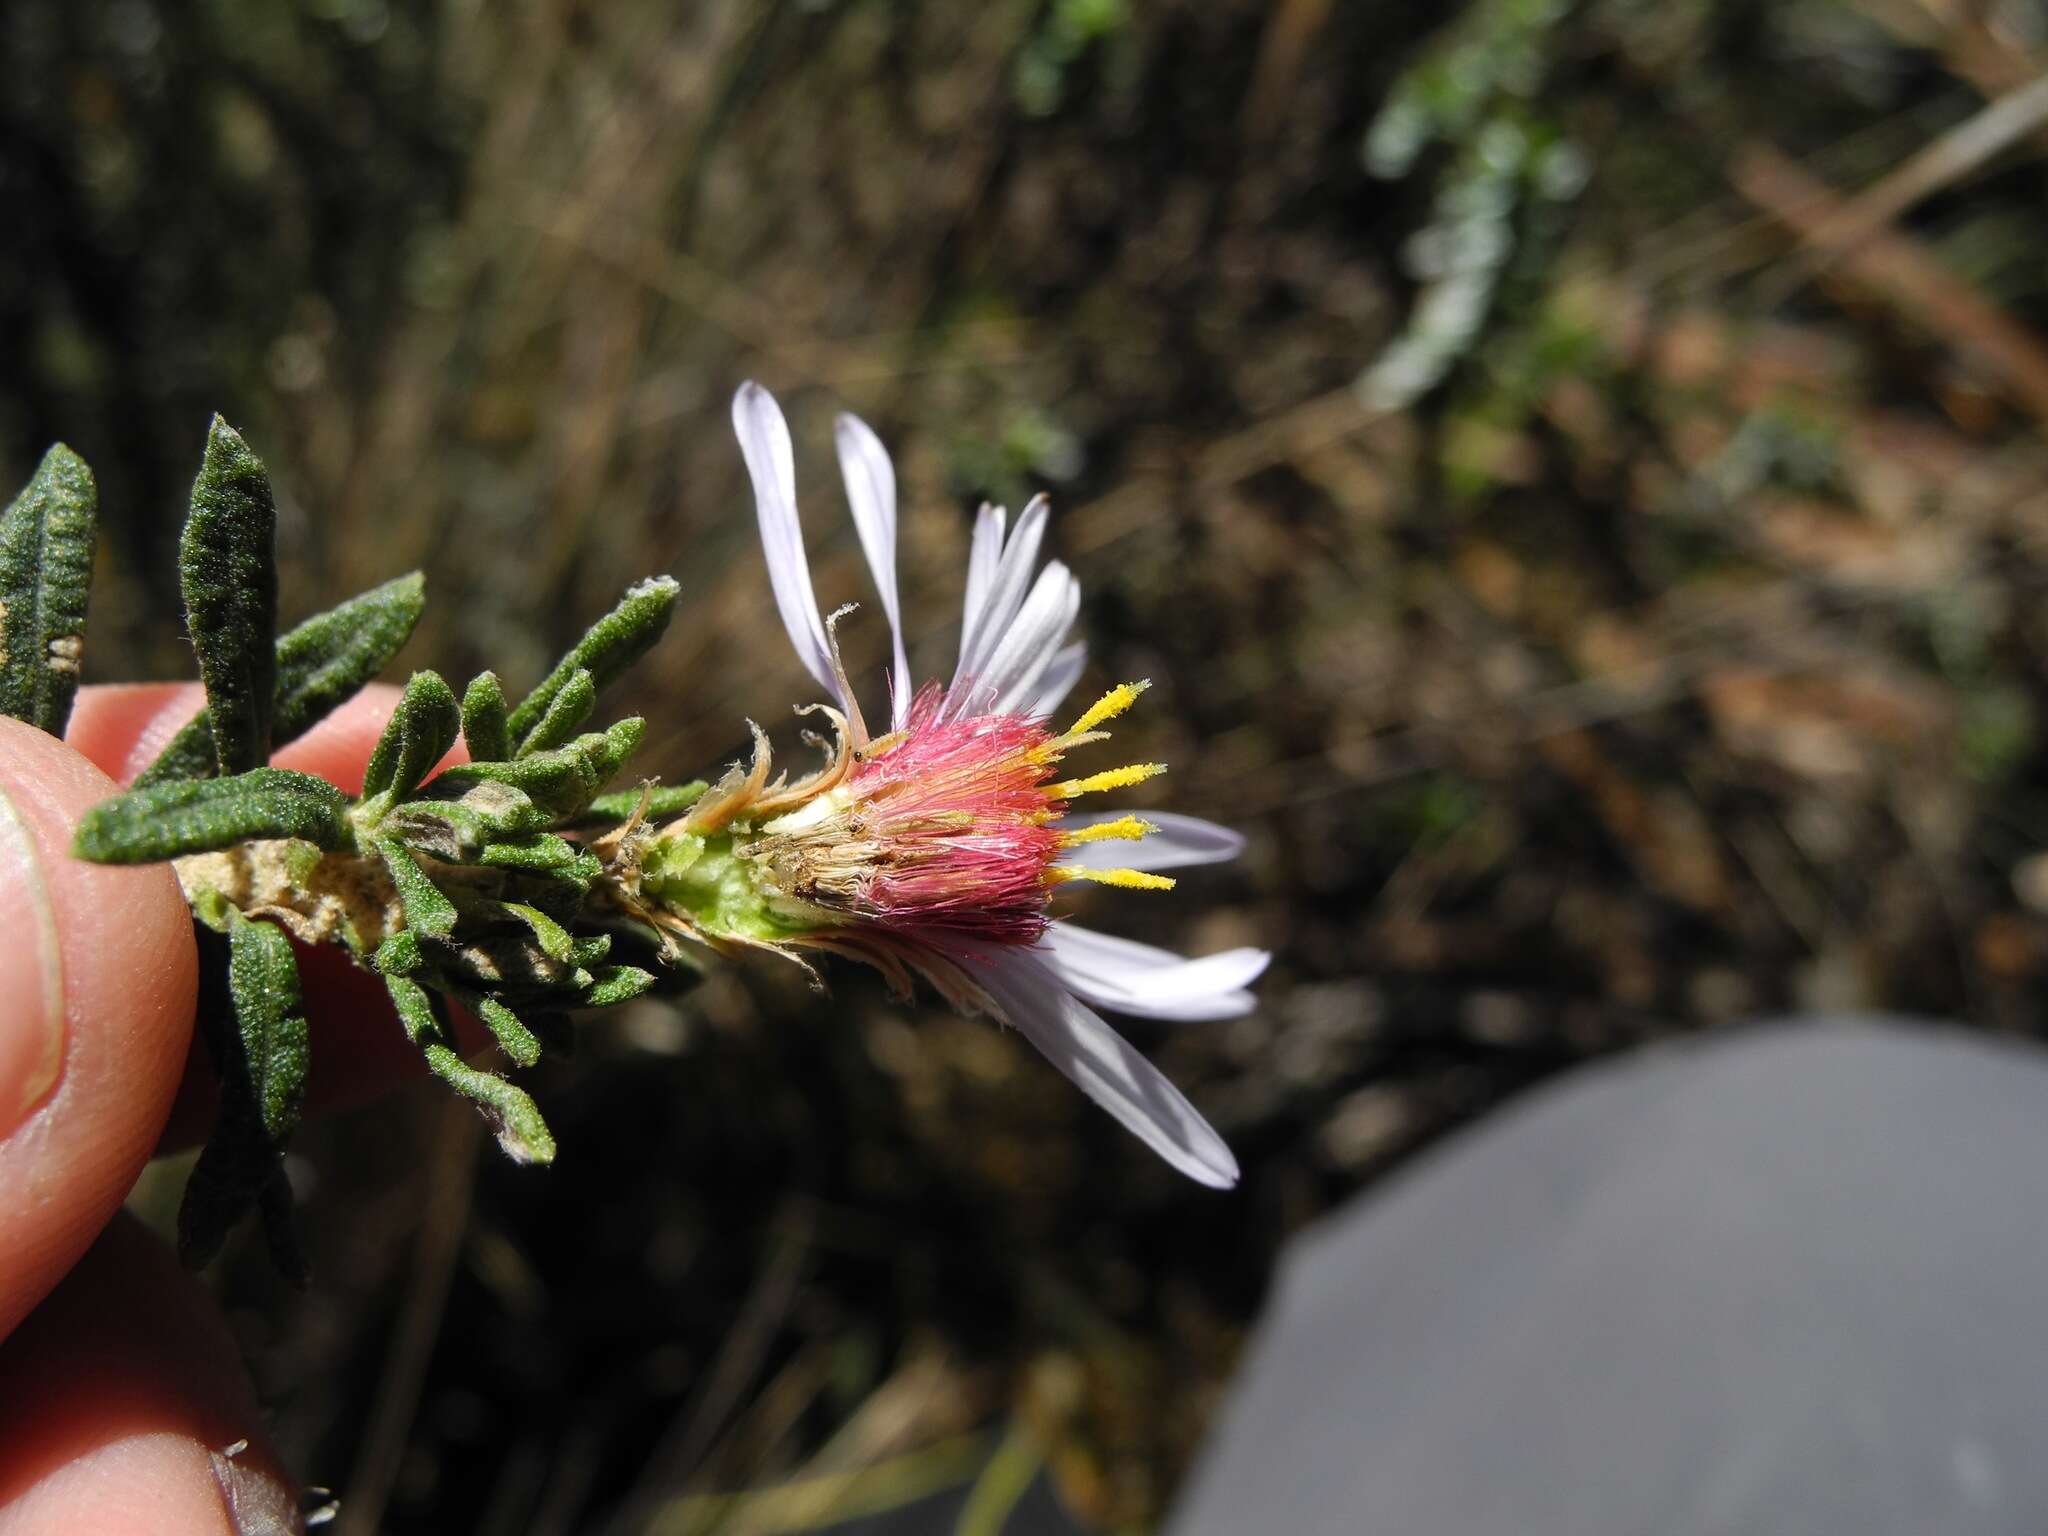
<point>615,984</point>
<point>513,1116</point>
<point>427,909</point>
<point>400,954</point>
<point>457,819</point>
<point>540,854</point>
<point>46,541</point>
<point>196,816</point>
<point>227,565</point>
<point>422,729</point>
<point>262,1052</point>
<point>551,936</point>
<point>561,780</point>
<point>664,801</point>
<point>612,645</point>
<point>572,706</point>
<point>321,664</point>
<point>513,1037</point>
<point>483,720</point>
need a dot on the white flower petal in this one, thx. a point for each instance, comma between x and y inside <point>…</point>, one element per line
<point>1181,841</point>
<point>1103,1065</point>
<point>1129,977</point>
<point>1006,593</point>
<point>984,554</point>
<point>1059,678</point>
<point>1010,679</point>
<point>764,441</point>
<point>871,493</point>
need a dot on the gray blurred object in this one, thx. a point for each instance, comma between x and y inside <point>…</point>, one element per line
<point>1793,1280</point>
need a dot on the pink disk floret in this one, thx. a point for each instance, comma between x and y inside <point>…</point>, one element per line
<point>959,810</point>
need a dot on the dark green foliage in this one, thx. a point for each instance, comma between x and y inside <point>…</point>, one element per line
<point>427,910</point>
<point>46,541</point>
<point>321,664</point>
<point>260,1049</point>
<point>561,780</point>
<point>571,707</point>
<point>664,802</point>
<point>421,730</point>
<point>615,984</point>
<point>484,728</point>
<point>543,854</point>
<point>610,646</point>
<point>200,815</point>
<point>513,1037</point>
<point>489,890</point>
<point>521,1131</point>
<point>227,569</point>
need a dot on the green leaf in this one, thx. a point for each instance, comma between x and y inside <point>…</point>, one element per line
<point>196,816</point>
<point>572,706</point>
<point>540,855</point>
<point>663,802</point>
<point>615,984</point>
<point>261,1051</point>
<point>321,664</point>
<point>400,954</point>
<point>560,780</point>
<point>513,1037</point>
<point>483,720</point>
<point>521,1131</point>
<point>612,645</point>
<point>46,542</point>
<point>421,730</point>
<point>427,909</point>
<point>227,565</point>
<point>456,820</point>
<point>551,936</point>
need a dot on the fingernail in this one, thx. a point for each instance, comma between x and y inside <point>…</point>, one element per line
<point>258,1504</point>
<point>31,975</point>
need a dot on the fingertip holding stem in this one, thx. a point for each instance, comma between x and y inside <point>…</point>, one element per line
<point>98,976</point>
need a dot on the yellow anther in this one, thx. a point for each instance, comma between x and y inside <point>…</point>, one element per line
<point>1108,707</point>
<point>1109,778</point>
<point>1125,879</point>
<point>1123,829</point>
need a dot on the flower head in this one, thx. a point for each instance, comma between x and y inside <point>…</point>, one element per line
<point>935,847</point>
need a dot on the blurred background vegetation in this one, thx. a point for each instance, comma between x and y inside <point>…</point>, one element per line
<point>1573,471</point>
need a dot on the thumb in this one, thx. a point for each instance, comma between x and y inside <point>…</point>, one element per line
<point>97,988</point>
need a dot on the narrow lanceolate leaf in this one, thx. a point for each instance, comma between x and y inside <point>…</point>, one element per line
<point>200,815</point>
<point>562,779</point>
<point>572,706</point>
<point>484,730</point>
<point>321,665</point>
<point>664,802</point>
<point>422,729</point>
<point>455,819</point>
<point>538,855</point>
<point>554,940</point>
<point>513,1037</point>
<point>615,984</point>
<point>227,565</point>
<point>261,1051</point>
<point>400,955</point>
<point>612,645</point>
<point>46,540</point>
<point>427,909</point>
<point>513,1116</point>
